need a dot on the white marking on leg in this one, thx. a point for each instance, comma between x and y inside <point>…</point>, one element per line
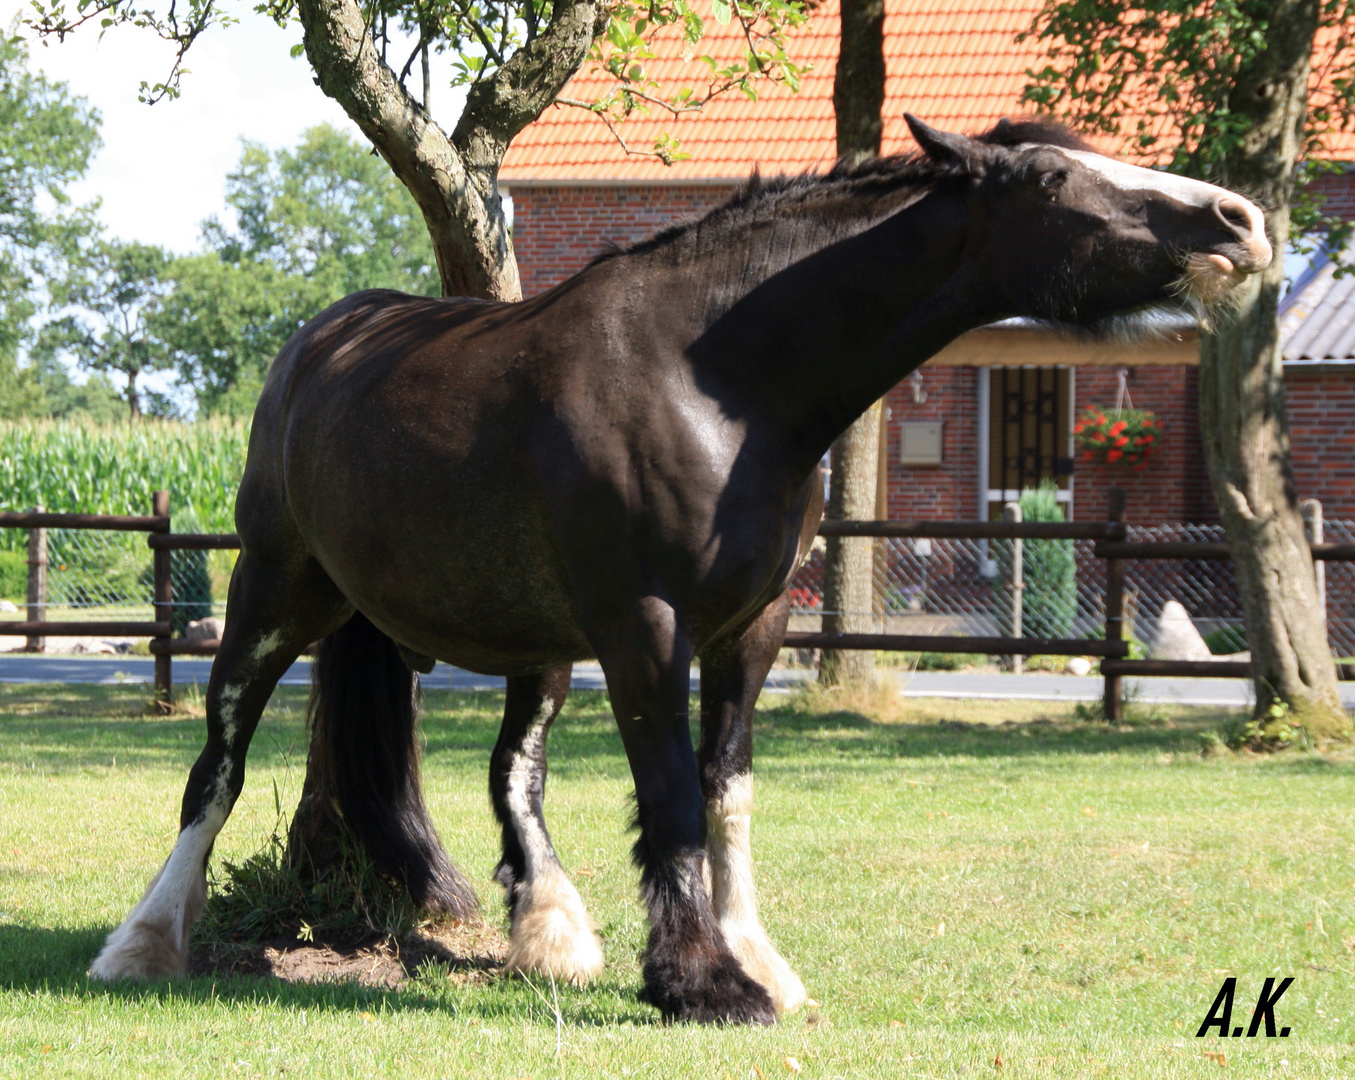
<point>734,897</point>
<point>267,646</point>
<point>152,942</point>
<point>227,701</point>
<point>552,933</point>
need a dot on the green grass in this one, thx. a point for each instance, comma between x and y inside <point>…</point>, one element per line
<point>1095,885</point>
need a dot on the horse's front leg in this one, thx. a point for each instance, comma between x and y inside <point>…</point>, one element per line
<point>551,932</point>
<point>273,613</point>
<point>689,972</point>
<point>732,673</point>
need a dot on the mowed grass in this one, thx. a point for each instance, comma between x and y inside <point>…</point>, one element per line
<point>971,889</point>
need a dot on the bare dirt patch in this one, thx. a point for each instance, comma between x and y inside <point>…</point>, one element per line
<point>469,951</point>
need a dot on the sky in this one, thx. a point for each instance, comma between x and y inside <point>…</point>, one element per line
<point>162,169</point>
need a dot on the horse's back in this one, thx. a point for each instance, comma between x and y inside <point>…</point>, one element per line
<point>390,442</point>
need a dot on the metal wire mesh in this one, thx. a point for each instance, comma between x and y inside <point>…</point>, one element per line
<point>937,587</point>
<point>102,575</point>
<point>963,587</point>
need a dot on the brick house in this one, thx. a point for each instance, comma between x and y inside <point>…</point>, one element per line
<point>993,412</point>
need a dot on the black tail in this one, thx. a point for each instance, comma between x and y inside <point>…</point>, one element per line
<point>365,754</point>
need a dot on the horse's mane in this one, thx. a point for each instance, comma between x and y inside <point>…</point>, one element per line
<point>767,198</point>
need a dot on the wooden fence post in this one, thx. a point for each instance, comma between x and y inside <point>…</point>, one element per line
<point>1012,512</point>
<point>37,583</point>
<point>164,605</point>
<point>1114,704</point>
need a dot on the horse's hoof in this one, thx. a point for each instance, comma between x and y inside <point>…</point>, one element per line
<point>715,993</point>
<point>140,951</point>
<point>553,935</point>
<point>759,958</point>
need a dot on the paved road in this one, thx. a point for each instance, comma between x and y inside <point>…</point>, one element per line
<point>954,684</point>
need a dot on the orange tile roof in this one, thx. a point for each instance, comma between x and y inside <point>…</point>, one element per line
<point>955,63</point>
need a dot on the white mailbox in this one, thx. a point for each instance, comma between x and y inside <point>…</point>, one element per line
<point>920,442</point>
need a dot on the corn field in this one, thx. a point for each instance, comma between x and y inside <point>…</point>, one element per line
<point>72,468</point>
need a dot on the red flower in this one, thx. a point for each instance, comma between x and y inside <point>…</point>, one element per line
<point>1123,440</point>
<point>1118,427</point>
<point>1114,455</point>
<point>1099,436</point>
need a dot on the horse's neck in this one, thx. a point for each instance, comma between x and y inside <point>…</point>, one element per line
<point>807,347</point>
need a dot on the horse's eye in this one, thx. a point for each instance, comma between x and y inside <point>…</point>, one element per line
<point>1050,182</point>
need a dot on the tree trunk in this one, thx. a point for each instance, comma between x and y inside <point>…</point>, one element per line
<point>1242,407</point>
<point>133,398</point>
<point>848,593</point>
<point>848,569</point>
<point>453,179</point>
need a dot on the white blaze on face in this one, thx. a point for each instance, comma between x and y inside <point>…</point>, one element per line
<point>1126,177</point>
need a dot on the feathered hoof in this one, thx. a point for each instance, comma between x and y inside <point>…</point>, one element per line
<point>760,960</point>
<point>143,951</point>
<point>553,935</point>
<point>701,991</point>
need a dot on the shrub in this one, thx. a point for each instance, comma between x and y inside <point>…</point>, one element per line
<point>13,576</point>
<point>188,573</point>
<point>1227,639</point>
<point>1049,571</point>
<point>935,661</point>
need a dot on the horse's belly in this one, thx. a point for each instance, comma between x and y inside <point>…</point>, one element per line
<point>491,601</point>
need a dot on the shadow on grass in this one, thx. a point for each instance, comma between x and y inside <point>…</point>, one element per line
<point>43,960</point>
<point>68,727</point>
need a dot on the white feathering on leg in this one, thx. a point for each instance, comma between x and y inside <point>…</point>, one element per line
<point>552,933</point>
<point>152,942</point>
<point>730,861</point>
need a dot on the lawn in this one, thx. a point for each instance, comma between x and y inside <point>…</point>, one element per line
<point>969,889</point>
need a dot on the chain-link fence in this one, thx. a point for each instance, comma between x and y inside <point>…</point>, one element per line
<point>936,587</point>
<point>102,575</point>
<point>964,587</point>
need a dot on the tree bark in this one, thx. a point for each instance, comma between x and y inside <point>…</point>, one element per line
<point>453,178</point>
<point>1242,405</point>
<point>848,588</point>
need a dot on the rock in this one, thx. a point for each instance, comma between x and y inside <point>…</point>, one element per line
<point>7,606</point>
<point>205,630</point>
<point>1078,665</point>
<point>1177,638</point>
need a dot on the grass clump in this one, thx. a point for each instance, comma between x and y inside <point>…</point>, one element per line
<point>266,897</point>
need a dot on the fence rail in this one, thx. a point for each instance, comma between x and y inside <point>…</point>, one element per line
<point>1113,600</point>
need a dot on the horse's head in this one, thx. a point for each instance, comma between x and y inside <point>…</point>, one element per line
<point>1068,234</point>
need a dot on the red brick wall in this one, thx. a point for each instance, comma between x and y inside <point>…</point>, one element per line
<point>949,491</point>
<point>1174,488</point>
<point>1175,485</point>
<point>557,230</point>
<point>1321,406</point>
<point>1339,189</point>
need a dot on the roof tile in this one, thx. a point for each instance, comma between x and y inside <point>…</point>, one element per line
<point>956,63</point>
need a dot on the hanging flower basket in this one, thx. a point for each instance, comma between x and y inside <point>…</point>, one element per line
<point>1117,436</point>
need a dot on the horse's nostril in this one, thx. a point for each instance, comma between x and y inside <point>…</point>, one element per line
<point>1234,214</point>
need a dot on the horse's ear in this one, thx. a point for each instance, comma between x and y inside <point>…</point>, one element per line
<point>940,146</point>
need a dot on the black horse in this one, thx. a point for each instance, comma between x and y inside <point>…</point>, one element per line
<point>626,468</point>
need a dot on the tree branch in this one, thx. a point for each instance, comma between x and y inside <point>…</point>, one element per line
<point>510,99</point>
<point>460,203</point>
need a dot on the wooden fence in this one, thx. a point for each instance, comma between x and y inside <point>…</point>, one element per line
<point>1111,546</point>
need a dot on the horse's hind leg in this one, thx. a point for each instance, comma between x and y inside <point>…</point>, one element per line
<point>732,674</point>
<point>273,613</point>
<point>551,932</point>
